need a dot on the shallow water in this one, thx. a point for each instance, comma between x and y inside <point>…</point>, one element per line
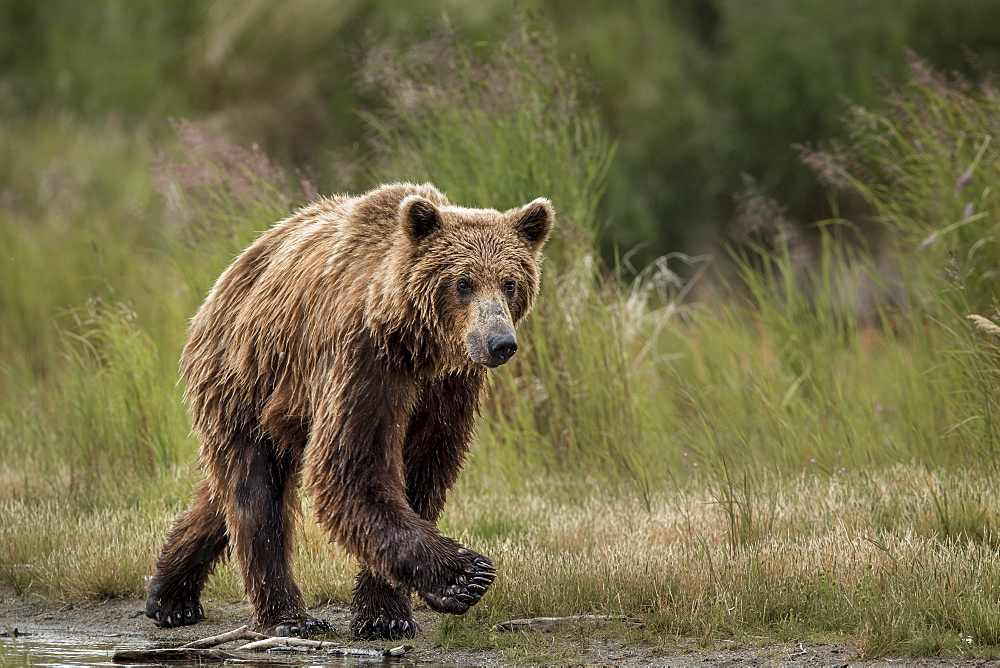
<point>77,648</point>
<point>71,648</point>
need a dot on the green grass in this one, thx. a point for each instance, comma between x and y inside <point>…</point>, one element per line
<point>753,465</point>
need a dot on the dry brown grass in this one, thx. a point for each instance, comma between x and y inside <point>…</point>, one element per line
<point>899,550</point>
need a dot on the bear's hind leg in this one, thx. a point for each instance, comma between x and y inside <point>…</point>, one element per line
<point>198,537</point>
<point>381,611</point>
<point>261,519</point>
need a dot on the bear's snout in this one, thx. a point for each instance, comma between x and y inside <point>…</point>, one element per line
<point>491,340</point>
<point>502,347</point>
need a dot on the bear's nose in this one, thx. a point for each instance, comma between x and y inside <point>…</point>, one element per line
<point>502,347</point>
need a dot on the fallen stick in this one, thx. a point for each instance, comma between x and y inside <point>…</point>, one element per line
<point>282,641</point>
<point>242,633</point>
<point>174,655</point>
<point>329,647</point>
<point>553,623</point>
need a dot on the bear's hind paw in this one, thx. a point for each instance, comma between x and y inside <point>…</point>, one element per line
<point>381,628</point>
<point>168,614</point>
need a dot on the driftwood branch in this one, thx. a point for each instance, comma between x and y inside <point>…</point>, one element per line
<point>197,651</point>
<point>282,641</point>
<point>242,633</point>
<point>554,623</point>
<point>329,647</point>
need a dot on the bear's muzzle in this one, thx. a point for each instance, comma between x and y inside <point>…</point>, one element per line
<point>491,341</point>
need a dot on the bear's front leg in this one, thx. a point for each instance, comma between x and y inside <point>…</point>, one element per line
<point>381,530</point>
<point>433,453</point>
<point>356,472</point>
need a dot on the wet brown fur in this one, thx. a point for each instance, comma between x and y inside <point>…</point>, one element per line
<point>337,352</point>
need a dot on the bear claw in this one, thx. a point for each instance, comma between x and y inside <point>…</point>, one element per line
<point>381,628</point>
<point>169,614</point>
<point>471,584</point>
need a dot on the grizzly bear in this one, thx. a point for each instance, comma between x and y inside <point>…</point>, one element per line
<point>347,349</point>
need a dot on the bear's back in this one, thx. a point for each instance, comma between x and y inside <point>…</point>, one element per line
<point>304,280</point>
<point>342,230</point>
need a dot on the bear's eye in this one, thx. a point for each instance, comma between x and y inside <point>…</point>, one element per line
<point>464,287</point>
<point>509,288</point>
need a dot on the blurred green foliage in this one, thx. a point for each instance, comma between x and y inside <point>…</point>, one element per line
<point>697,92</point>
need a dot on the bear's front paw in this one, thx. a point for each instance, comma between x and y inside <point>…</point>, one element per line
<point>300,628</point>
<point>467,584</point>
<point>382,628</point>
<point>167,613</point>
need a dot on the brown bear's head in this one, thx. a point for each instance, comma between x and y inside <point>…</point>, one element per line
<point>483,269</point>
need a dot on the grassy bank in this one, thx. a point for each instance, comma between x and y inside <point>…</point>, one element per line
<point>760,463</point>
<point>858,558</point>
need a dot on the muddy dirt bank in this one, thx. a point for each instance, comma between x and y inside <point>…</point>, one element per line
<point>123,618</point>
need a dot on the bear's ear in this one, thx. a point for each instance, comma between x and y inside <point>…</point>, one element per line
<point>534,222</point>
<point>418,216</point>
